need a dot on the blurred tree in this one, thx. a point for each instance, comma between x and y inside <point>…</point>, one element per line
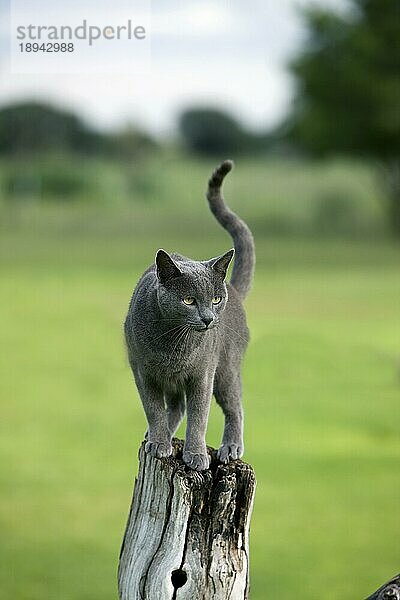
<point>213,132</point>
<point>38,128</point>
<point>34,127</point>
<point>131,143</point>
<point>348,94</point>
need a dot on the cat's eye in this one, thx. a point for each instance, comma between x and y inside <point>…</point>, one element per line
<point>216,299</point>
<point>188,300</point>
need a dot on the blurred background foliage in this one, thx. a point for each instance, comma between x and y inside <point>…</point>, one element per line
<point>58,160</point>
<point>349,90</point>
<point>346,105</point>
<point>82,212</point>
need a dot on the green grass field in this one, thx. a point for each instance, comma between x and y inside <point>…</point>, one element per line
<point>321,396</point>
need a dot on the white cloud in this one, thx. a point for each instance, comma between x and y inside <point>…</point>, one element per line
<point>223,52</point>
<point>203,19</point>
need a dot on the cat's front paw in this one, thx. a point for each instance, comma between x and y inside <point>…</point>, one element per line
<point>158,449</point>
<point>198,461</point>
<point>228,452</point>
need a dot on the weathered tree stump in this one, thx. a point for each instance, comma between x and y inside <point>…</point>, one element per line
<point>389,591</point>
<point>187,535</point>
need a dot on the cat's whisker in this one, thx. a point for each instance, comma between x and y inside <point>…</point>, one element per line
<point>166,332</point>
<point>186,338</point>
<point>164,320</point>
<point>177,334</point>
<point>179,338</point>
<point>222,340</point>
<point>231,340</point>
<point>187,333</point>
<point>174,333</point>
<point>223,345</point>
<point>234,331</point>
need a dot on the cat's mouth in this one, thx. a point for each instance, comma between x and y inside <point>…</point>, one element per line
<point>204,328</point>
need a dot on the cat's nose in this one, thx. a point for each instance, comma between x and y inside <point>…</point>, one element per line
<point>207,320</point>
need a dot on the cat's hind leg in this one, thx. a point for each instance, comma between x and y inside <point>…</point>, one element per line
<point>175,409</point>
<point>228,392</point>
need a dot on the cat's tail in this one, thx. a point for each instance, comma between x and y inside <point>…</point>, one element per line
<point>245,256</point>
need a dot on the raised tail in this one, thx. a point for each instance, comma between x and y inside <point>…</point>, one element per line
<point>245,256</point>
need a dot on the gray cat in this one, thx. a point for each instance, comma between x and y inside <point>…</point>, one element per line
<point>186,334</point>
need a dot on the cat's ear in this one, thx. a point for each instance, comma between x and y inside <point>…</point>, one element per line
<point>166,268</point>
<point>221,263</point>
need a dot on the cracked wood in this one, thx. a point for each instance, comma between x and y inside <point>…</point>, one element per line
<point>187,531</point>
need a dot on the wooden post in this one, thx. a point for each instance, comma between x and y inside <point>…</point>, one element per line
<point>187,536</point>
<point>389,591</point>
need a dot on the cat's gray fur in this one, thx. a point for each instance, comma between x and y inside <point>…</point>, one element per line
<point>181,355</point>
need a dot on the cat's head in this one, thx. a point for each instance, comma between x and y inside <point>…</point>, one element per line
<point>192,293</point>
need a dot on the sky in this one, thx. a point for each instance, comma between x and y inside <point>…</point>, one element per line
<point>229,54</point>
